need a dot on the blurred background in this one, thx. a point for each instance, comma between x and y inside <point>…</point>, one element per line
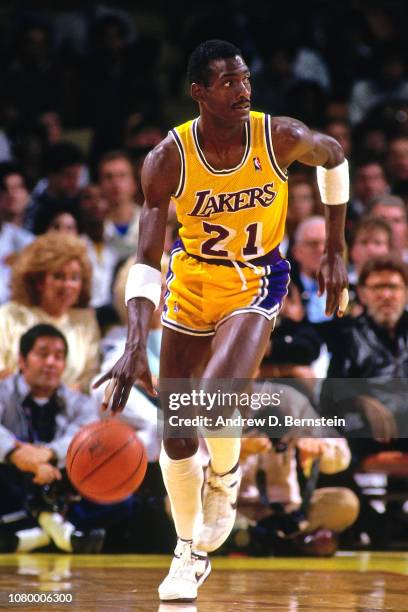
<point>99,73</point>
<point>87,90</point>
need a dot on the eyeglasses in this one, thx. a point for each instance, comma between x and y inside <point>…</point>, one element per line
<point>378,288</point>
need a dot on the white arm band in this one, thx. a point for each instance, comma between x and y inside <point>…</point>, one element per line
<point>334,184</point>
<point>143,281</point>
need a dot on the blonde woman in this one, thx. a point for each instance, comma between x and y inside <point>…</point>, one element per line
<point>50,283</point>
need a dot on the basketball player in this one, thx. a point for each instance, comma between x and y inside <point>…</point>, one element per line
<point>226,172</point>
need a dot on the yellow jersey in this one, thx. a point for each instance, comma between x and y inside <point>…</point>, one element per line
<point>238,213</point>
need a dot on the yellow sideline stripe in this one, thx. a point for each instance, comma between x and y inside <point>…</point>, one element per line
<point>396,562</point>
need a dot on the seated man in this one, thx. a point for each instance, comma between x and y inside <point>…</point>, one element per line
<point>308,247</point>
<point>119,187</point>
<point>38,419</point>
<point>371,352</point>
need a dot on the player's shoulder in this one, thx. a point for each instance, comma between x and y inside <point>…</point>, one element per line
<point>291,139</point>
<point>161,169</point>
<point>163,151</point>
<point>163,158</point>
<point>289,127</point>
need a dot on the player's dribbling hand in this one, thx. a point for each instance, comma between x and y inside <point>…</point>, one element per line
<point>332,278</point>
<point>130,368</point>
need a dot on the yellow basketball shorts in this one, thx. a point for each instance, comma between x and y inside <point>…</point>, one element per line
<point>202,295</point>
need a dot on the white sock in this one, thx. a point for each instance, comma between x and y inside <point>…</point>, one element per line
<point>60,531</point>
<point>224,453</point>
<point>28,539</point>
<point>183,479</point>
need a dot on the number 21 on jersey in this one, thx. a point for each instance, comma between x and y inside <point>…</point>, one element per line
<point>217,245</point>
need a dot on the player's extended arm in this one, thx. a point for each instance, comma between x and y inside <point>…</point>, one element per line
<point>293,141</point>
<point>160,177</point>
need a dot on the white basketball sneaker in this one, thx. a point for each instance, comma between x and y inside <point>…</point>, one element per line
<point>219,508</point>
<point>187,573</point>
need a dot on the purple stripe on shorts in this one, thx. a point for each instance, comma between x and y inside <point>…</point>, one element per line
<point>170,274</point>
<point>278,281</point>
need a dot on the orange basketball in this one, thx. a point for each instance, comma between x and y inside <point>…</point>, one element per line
<point>106,461</point>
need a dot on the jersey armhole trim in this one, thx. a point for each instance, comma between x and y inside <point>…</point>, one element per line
<point>268,139</point>
<point>182,180</point>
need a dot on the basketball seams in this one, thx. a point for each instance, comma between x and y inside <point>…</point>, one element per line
<point>102,463</point>
<point>98,432</point>
<point>79,447</point>
<point>123,483</point>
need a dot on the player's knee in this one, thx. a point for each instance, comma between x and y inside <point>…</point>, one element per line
<point>180,448</point>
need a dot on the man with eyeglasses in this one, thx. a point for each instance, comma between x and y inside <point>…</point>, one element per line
<point>372,353</point>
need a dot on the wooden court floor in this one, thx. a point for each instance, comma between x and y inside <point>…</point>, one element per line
<point>363,582</point>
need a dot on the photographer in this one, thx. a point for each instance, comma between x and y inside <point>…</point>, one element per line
<point>38,419</point>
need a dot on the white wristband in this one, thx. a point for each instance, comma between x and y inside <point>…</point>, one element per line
<point>143,281</point>
<point>334,184</point>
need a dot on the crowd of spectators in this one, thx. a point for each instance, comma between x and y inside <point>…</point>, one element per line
<point>85,95</point>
